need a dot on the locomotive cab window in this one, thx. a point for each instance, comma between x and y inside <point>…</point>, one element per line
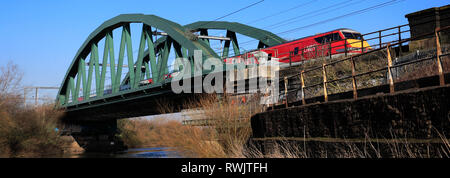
<point>319,39</point>
<point>270,57</point>
<point>352,35</point>
<point>296,51</point>
<point>336,37</point>
<point>328,38</point>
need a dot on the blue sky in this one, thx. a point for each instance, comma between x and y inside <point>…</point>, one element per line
<point>43,36</point>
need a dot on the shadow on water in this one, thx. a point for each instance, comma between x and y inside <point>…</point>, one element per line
<point>157,152</point>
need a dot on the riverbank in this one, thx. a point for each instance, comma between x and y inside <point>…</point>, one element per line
<point>225,137</point>
<point>25,131</point>
<point>188,141</point>
<point>29,132</point>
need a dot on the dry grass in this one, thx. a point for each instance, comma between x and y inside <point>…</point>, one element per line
<point>29,132</point>
<point>226,137</point>
<point>427,68</point>
<point>337,70</point>
<point>280,149</point>
<point>393,147</point>
<point>365,63</point>
<point>189,141</point>
<point>396,148</point>
<point>230,118</point>
<point>25,132</point>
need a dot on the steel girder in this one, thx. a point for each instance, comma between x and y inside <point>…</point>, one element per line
<point>265,38</point>
<point>76,75</point>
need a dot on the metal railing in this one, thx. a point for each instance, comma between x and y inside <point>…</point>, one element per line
<point>108,89</point>
<point>354,75</point>
<point>376,38</point>
<point>396,36</point>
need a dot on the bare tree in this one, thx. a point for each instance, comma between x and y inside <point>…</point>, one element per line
<point>10,84</point>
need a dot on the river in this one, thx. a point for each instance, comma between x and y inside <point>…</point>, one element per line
<point>156,152</point>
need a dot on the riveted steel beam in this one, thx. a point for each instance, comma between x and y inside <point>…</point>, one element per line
<point>265,37</point>
<point>199,36</point>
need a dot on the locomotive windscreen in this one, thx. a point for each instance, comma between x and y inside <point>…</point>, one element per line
<point>352,35</point>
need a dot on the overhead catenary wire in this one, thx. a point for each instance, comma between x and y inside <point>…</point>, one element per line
<point>234,12</point>
<point>287,10</point>
<point>281,12</point>
<point>241,9</point>
<point>326,9</point>
<point>336,18</point>
<point>302,16</point>
<point>343,16</point>
<point>309,15</point>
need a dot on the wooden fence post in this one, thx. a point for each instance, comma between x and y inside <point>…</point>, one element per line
<point>324,73</point>
<point>329,50</point>
<point>390,78</point>
<point>399,41</point>
<point>355,87</point>
<point>362,46</point>
<point>303,87</point>
<point>438,58</point>
<point>290,58</point>
<point>379,39</point>
<point>345,47</point>
<point>286,90</point>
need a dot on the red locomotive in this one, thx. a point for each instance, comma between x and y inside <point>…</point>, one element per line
<point>338,43</point>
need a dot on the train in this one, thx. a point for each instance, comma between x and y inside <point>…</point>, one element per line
<point>335,43</point>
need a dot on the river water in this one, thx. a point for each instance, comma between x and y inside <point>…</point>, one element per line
<point>156,152</point>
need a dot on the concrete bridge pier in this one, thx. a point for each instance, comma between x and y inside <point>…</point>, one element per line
<point>95,136</point>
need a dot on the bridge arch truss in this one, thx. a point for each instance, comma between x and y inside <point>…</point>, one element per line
<point>89,73</point>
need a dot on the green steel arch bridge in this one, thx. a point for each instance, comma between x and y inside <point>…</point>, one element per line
<point>95,92</point>
<point>84,86</point>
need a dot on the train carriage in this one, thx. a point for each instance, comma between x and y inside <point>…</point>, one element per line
<point>336,43</point>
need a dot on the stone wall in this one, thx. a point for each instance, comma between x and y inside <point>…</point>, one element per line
<point>426,21</point>
<point>418,114</point>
